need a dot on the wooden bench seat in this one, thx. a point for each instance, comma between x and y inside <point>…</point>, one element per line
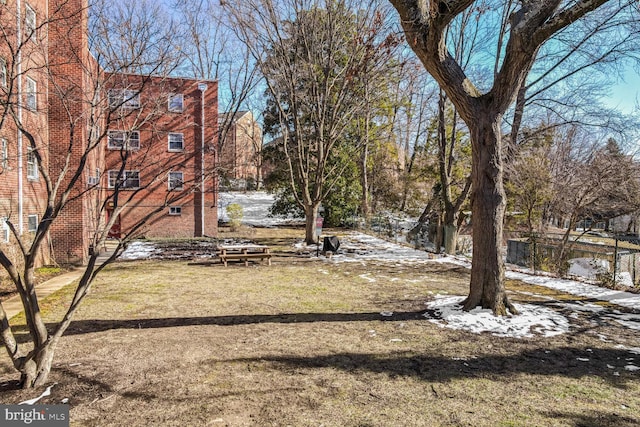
<point>244,253</point>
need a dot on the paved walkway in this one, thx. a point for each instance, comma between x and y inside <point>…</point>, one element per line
<point>13,306</point>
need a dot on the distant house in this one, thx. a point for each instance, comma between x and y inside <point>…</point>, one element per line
<point>240,150</point>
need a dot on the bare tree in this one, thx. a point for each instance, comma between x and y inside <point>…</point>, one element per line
<point>412,114</point>
<point>531,24</point>
<point>212,51</point>
<point>592,182</point>
<point>314,56</point>
<point>130,42</point>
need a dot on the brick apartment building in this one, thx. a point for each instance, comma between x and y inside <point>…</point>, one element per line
<point>240,155</point>
<point>168,142</point>
<point>161,140</point>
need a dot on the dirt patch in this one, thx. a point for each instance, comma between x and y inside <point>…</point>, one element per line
<point>304,343</point>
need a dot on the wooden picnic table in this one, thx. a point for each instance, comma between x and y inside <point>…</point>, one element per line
<point>244,253</point>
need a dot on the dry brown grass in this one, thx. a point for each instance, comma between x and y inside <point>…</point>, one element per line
<point>302,343</point>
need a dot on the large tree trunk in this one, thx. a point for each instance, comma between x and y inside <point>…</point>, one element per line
<point>488,202</point>
<point>37,366</point>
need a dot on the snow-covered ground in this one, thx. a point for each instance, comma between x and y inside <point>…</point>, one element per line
<point>255,207</point>
<point>446,310</point>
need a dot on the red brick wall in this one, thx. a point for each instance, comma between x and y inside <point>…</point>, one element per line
<point>68,100</point>
<point>153,159</point>
<point>33,56</point>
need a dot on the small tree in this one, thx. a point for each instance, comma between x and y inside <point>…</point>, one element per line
<point>235,213</point>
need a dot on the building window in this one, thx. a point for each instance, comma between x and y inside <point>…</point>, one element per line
<point>32,223</point>
<point>32,164</point>
<point>175,210</point>
<point>5,231</point>
<point>125,98</point>
<point>3,72</point>
<point>128,179</point>
<point>176,181</point>
<point>4,153</point>
<point>30,22</point>
<point>31,100</point>
<point>176,142</point>
<point>176,103</point>
<point>117,140</point>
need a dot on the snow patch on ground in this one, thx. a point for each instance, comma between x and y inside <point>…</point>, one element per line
<point>358,247</point>
<point>532,320</point>
<point>589,268</point>
<point>255,209</point>
<point>624,299</point>
<point>139,250</point>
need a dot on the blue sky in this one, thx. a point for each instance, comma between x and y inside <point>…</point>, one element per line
<point>625,95</point>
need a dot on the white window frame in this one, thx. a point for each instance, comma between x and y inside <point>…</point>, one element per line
<point>6,231</point>
<point>30,22</point>
<point>32,164</point>
<point>4,153</point>
<point>129,140</point>
<point>127,176</point>
<point>31,94</point>
<point>174,135</point>
<point>175,210</point>
<point>175,103</point>
<point>32,223</point>
<point>124,98</point>
<point>3,72</point>
<point>175,180</point>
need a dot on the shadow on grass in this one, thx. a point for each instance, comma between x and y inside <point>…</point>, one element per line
<point>568,362</point>
<point>574,362</point>
<point>90,326</point>
<point>79,327</point>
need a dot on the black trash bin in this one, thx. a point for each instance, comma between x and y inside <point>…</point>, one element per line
<point>331,244</point>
